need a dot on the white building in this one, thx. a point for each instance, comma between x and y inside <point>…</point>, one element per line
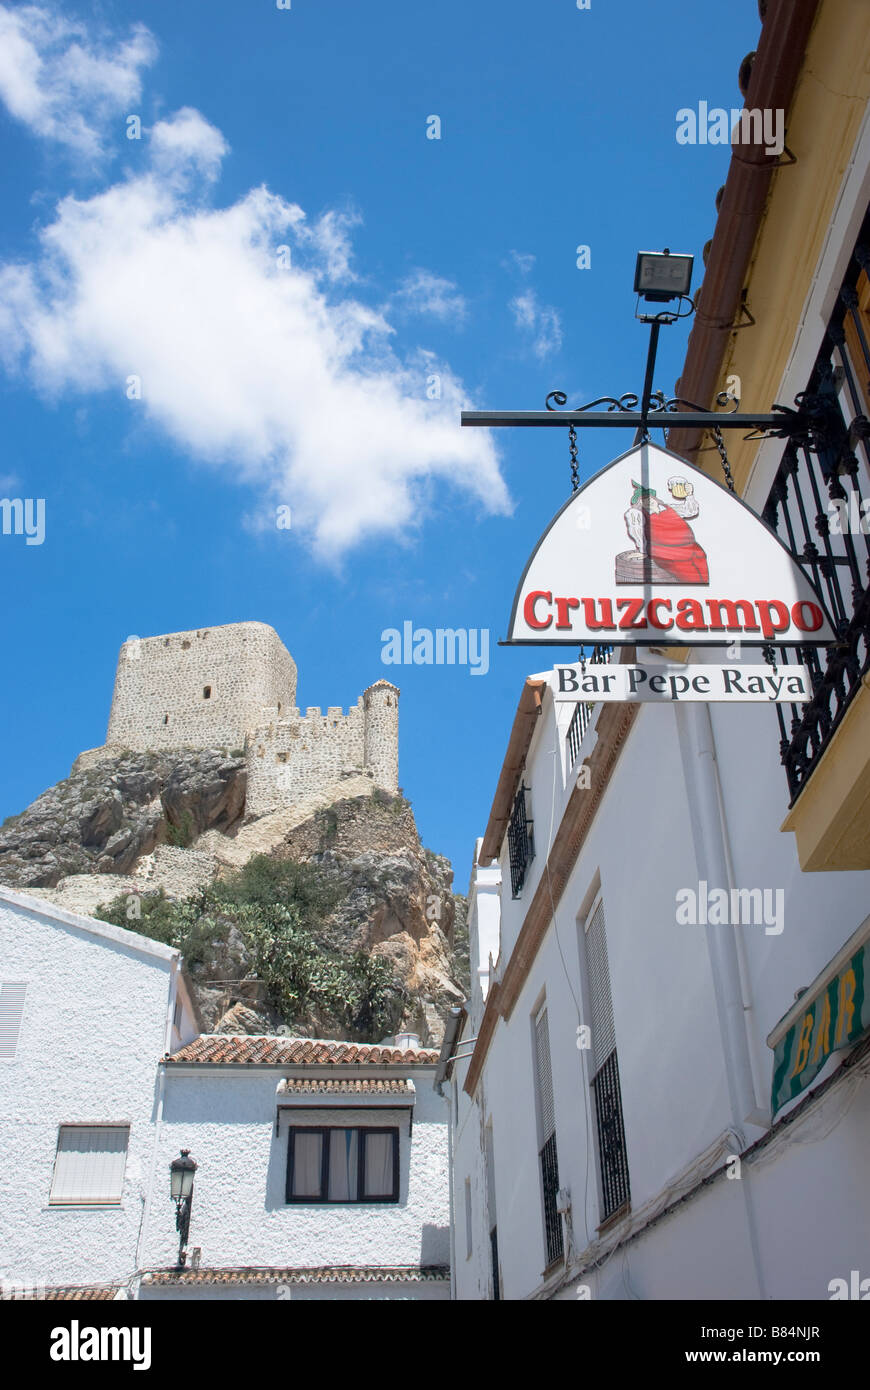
<point>650,1102</point>
<point>322,1171</point>
<point>86,1010</point>
<point>609,1082</point>
<point>322,1166</point>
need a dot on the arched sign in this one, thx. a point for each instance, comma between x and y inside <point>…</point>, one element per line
<point>652,552</point>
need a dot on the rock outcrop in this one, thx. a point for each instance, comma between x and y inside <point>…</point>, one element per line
<point>103,819</point>
<point>175,821</point>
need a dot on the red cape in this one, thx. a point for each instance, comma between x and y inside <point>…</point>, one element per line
<point>673,546</point>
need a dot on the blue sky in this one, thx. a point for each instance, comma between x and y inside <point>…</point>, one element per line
<point>303,382</point>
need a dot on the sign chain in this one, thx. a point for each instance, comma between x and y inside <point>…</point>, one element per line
<point>726,466</point>
<point>575,473</point>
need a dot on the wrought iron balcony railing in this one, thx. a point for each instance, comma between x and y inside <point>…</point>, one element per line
<point>583,711</point>
<point>819,506</point>
<point>521,842</point>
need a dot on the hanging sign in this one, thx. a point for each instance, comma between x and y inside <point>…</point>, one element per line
<point>733,684</point>
<point>652,552</point>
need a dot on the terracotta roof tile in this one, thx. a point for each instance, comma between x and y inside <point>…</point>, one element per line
<point>324,1274</point>
<point>325,1086</point>
<point>71,1292</point>
<point>222,1048</point>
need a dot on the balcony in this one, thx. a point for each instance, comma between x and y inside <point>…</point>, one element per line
<point>583,712</point>
<point>819,505</point>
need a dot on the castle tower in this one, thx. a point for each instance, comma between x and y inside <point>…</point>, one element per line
<point>381,726</point>
<point>199,689</point>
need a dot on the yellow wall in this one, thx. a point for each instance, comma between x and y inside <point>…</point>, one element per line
<point>828,107</point>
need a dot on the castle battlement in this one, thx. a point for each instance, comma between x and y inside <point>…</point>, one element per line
<point>235,687</point>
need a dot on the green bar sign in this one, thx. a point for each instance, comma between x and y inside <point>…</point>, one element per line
<point>836,1017</point>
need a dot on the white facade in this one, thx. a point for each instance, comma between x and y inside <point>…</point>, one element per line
<point>100,1006</point>
<point>796,1218</point>
<point>91,1116</point>
<point>677,797</point>
<point>235,1118</point>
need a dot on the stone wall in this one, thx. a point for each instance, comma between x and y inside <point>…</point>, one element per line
<point>295,758</point>
<point>234,687</point>
<point>201,689</point>
<point>290,760</point>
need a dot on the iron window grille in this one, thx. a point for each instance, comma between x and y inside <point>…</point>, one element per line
<point>521,842</point>
<point>493,1252</point>
<point>550,1181</point>
<point>613,1156</point>
<point>612,1151</point>
<point>819,491</point>
<point>332,1178</point>
<point>547,1154</point>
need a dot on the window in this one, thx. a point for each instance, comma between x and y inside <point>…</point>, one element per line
<point>521,842</point>
<point>468,1239</point>
<point>11,1011</point>
<point>206,692</point>
<point>612,1154</point>
<point>89,1167</point>
<point>547,1154</point>
<point>342,1165</point>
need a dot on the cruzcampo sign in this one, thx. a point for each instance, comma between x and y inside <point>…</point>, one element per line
<point>833,1013</point>
<point>652,552</point>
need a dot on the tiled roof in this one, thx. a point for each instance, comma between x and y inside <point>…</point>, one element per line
<point>223,1048</point>
<point>325,1086</point>
<point>325,1274</point>
<point>73,1292</point>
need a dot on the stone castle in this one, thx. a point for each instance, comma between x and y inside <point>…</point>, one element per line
<point>234,687</point>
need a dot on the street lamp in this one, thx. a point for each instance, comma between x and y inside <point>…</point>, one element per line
<point>181,1171</point>
<point>659,276</point>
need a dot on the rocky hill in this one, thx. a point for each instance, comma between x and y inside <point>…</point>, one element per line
<point>302,920</point>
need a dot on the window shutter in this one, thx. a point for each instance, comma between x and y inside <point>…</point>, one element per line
<point>544,1075</point>
<point>11,1011</point>
<point>90,1164</point>
<point>600,999</point>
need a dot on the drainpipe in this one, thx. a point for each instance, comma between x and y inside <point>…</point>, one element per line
<point>142,1244</point>
<point>702,778</point>
<point>698,748</point>
<point>447,1046</point>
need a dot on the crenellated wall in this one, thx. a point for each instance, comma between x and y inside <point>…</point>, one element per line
<point>235,687</point>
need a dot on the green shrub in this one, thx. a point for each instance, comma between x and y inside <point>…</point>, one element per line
<point>182,834</point>
<point>278,906</point>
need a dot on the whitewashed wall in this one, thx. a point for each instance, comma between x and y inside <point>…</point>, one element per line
<point>640,850</point>
<point>95,1024</point>
<point>239,1216</point>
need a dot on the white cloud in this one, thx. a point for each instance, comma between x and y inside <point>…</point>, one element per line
<point>62,83</point>
<point>425,293</point>
<point>186,141</point>
<point>540,322</point>
<point>273,374</point>
<point>523,261</point>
